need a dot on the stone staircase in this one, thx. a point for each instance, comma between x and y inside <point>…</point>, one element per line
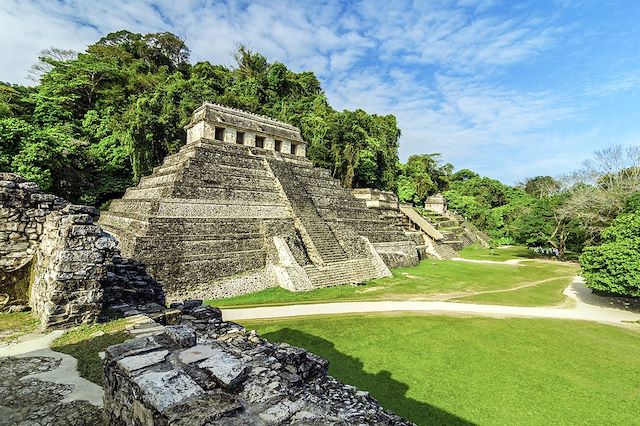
<point>322,237</point>
<point>454,234</point>
<point>345,272</point>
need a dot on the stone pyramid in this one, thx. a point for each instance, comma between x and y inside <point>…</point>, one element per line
<point>240,208</point>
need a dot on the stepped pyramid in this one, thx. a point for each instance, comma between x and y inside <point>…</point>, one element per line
<point>436,232</point>
<point>240,208</point>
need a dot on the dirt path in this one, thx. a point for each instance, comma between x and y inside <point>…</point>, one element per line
<point>588,308</point>
<point>506,290</point>
<point>490,262</point>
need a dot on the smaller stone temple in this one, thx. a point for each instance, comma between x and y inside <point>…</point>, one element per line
<point>240,208</point>
<point>436,203</point>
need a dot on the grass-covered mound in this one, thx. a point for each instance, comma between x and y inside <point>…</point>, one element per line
<point>461,370</point>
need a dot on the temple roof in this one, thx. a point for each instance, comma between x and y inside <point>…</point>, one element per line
<point>242,120</point>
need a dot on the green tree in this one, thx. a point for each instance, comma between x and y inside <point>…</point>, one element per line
<point>427,176</point>
<point>614,266</point>
<point>541,186</point>
<point>108,115</point>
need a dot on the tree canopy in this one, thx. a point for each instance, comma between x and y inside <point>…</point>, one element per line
<point>99,120</point>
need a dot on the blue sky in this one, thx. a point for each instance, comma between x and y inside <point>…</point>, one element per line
<point>511,89</point>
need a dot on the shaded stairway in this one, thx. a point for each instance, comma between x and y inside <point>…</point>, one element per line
<point>333,263</point>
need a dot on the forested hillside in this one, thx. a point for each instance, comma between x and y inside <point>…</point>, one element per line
<point>99,120</point>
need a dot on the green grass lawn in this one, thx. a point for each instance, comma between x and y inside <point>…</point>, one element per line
<point>436,280</point>
<point>85,342</point>
<point>477,252</point>
<point>17,324</point>
<point>543,294</point>
<point>471,370</point>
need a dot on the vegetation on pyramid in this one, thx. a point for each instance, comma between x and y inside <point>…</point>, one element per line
<point>99,120</point>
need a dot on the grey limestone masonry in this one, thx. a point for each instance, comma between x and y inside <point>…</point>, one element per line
<point>207,221</point>
<point>436,203</point>
<point>456,233</point>
<point>204,371</point>
<point>54,258</point>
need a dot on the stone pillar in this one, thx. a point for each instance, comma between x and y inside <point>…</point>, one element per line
<point>286,147</point>
<point>301,150</point>
<point>209,131</point>
<point>230,135</point>
<point>269,143</point>
<point>70,266</point>
<point>250,139</point>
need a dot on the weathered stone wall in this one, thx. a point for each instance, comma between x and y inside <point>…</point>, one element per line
<point>400,254</point>
<point>23,211</point>
<point>205,371</point>
<point>67,266</point>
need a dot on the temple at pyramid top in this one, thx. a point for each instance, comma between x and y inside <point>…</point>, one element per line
<point>217,122</point>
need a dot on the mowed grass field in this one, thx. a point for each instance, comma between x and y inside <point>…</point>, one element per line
<point>443,280</point>
<point>471,370</point>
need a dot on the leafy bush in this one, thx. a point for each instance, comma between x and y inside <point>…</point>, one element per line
<point>614,266</point>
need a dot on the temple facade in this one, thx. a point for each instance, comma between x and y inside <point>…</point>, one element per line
<point>240,208</point>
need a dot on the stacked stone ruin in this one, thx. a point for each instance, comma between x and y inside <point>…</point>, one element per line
<point>56,261</point>
<point>201,370</point>
<point>240,208</point>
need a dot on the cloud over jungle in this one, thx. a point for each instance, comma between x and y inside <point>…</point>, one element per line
<point>509,90</point>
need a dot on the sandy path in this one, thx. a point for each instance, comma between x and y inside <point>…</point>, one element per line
<point>588,308</point>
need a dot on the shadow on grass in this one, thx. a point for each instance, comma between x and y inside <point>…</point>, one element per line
<point>391,393</point>
<point>87,351</point>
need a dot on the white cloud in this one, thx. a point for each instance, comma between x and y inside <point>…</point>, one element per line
<point>432,64</point>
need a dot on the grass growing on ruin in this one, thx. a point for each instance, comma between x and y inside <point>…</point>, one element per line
<point>440,280</point>
<point>16,324</point>
<point>85,342</point>
<point>463,370</point>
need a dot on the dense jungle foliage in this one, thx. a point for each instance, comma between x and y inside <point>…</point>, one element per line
<point>99,120</point>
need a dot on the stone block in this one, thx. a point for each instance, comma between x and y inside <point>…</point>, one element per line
<point>136,362</point>
<point>182,335</point>
<point>197,353</point>
<point>165,389</point>
<point>228,370</point>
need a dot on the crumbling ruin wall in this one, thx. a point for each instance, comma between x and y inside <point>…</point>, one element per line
<point>206,371</point>
<point>65,264</point>
<point>23,211</point>
<point>69,267</point>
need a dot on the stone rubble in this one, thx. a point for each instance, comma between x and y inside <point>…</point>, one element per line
<point>206,371</point>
